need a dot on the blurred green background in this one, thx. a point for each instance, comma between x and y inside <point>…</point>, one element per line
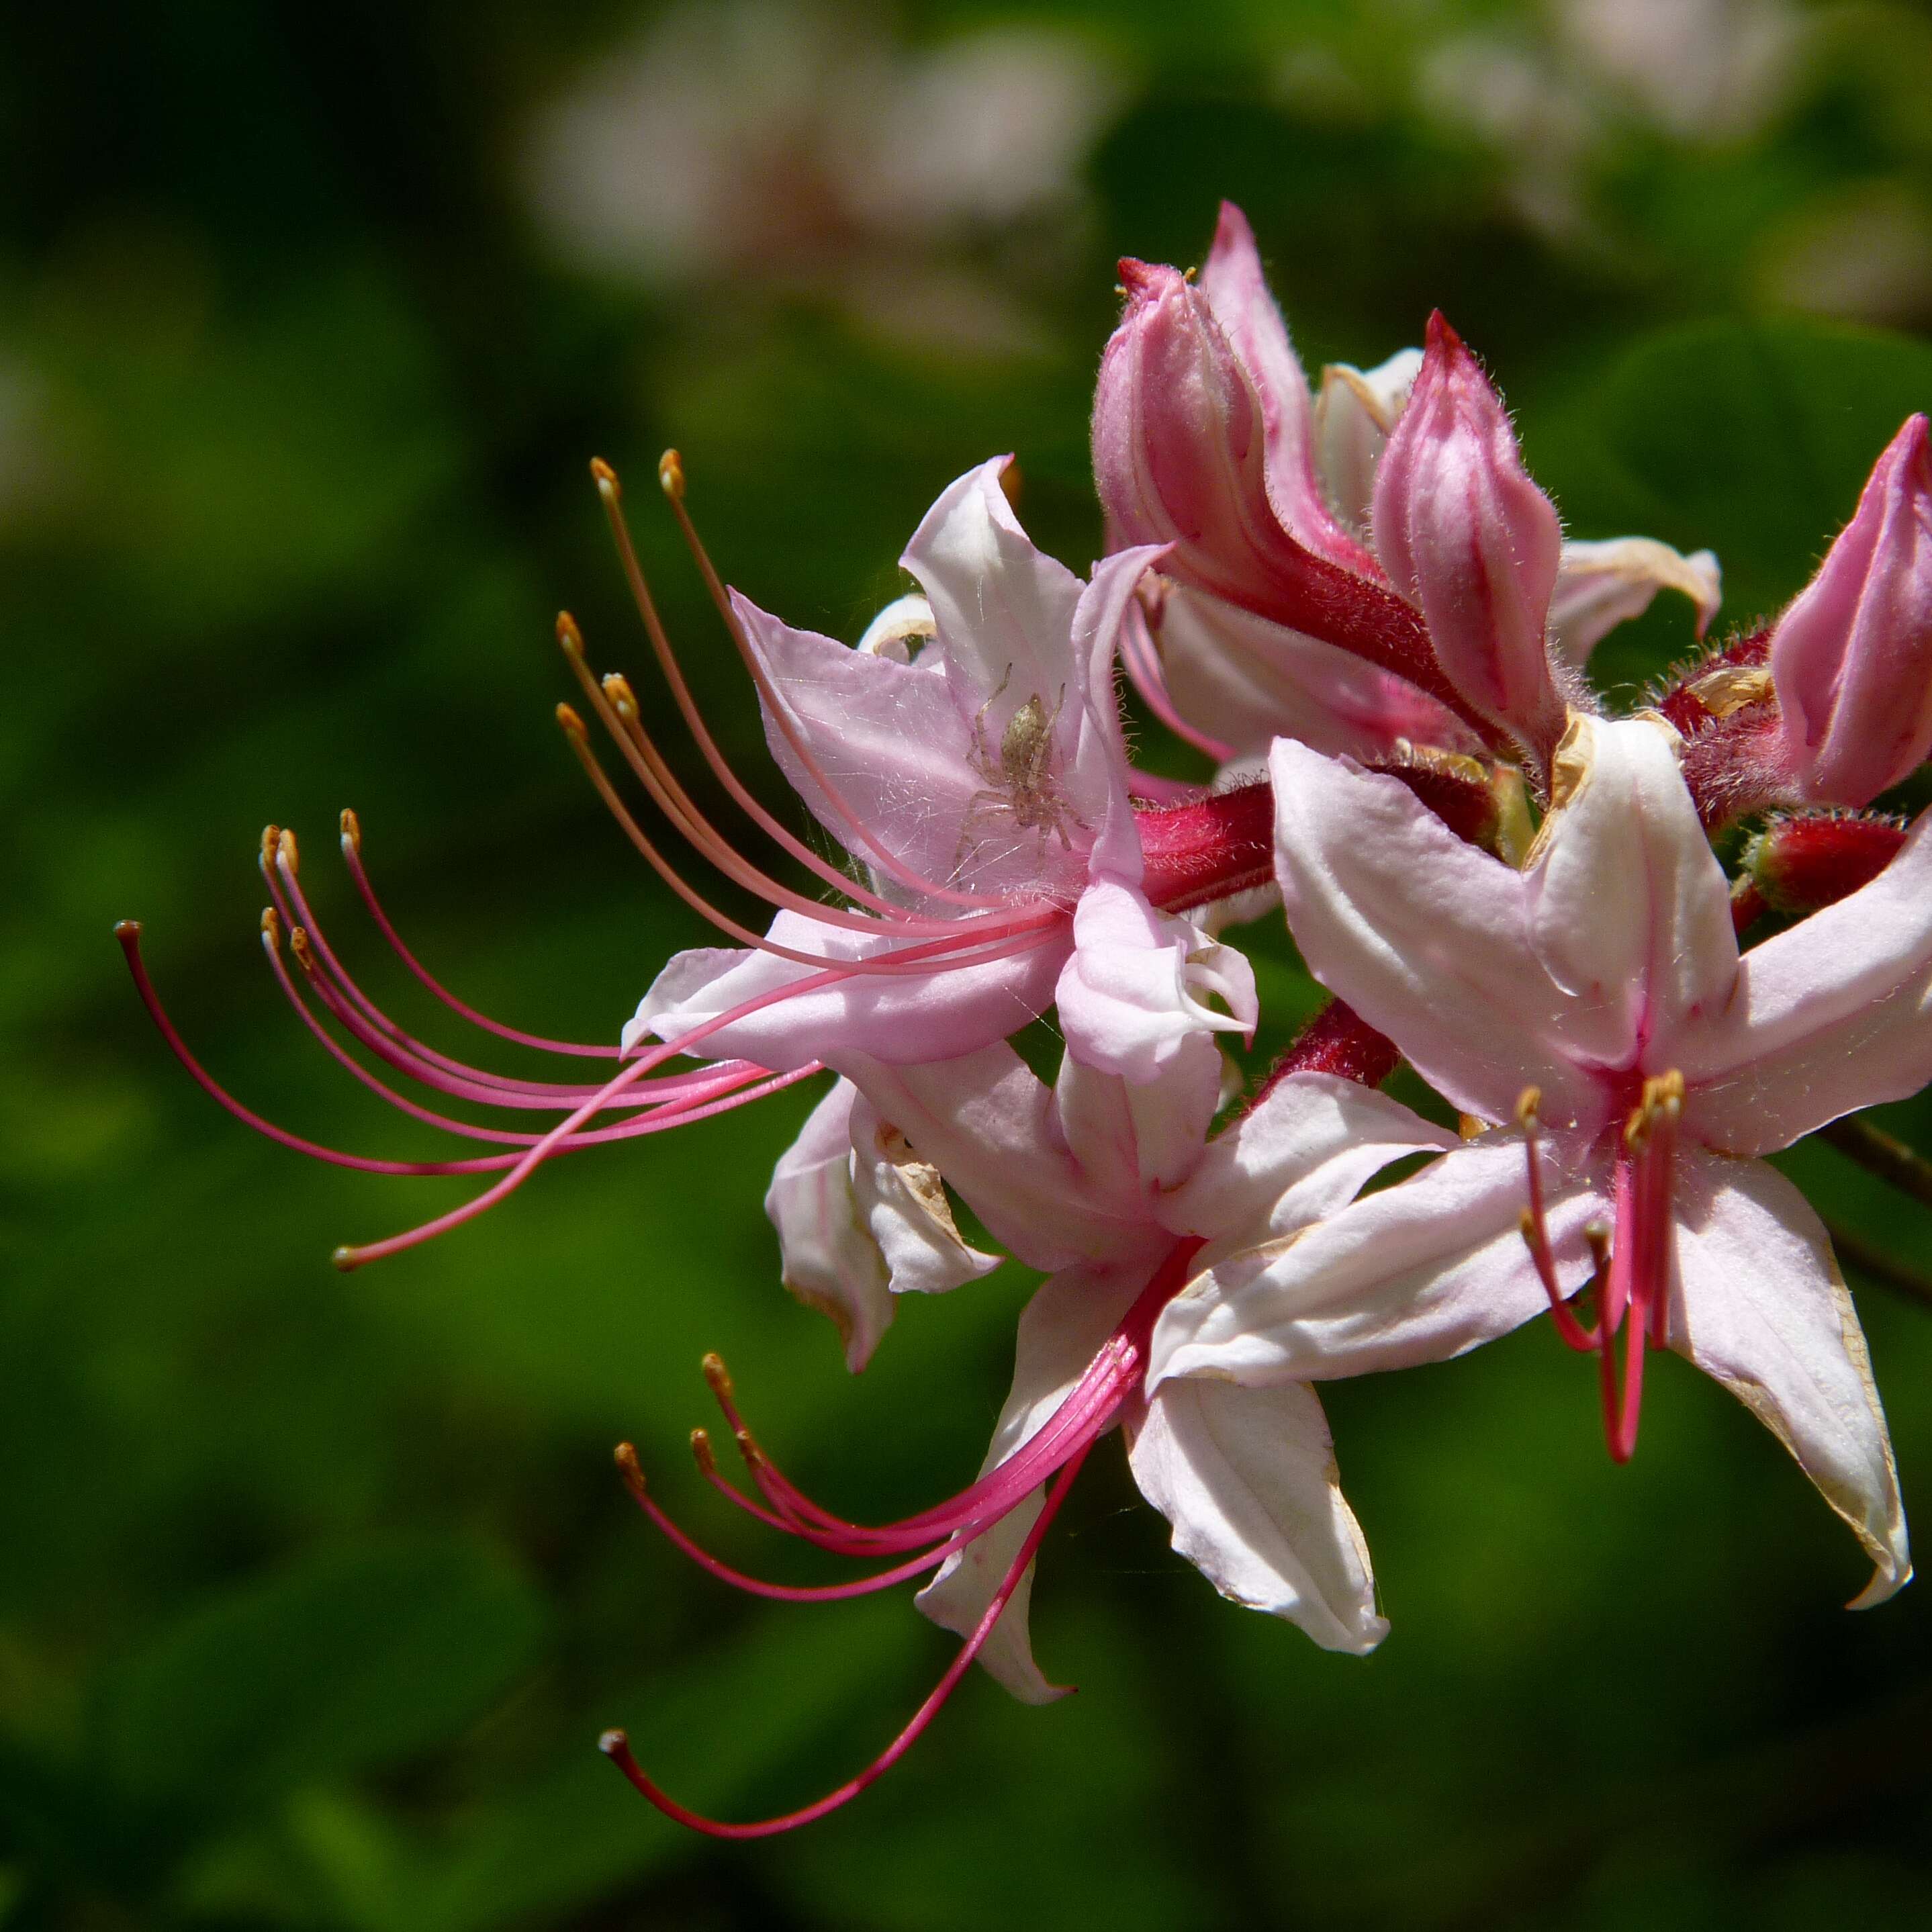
<point>317,1589</point>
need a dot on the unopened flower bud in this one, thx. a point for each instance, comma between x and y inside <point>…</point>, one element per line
<point>1810,861</point>
<point>1181,441</point>
<point>1852,658</point>
<point>1465,533</point>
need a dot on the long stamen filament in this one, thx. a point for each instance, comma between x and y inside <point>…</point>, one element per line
<point>616,1746</point>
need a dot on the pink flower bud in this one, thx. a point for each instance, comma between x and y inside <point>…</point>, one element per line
<point>1180,458</point>
<point>1461,530</point>
<point>1851,660</point>
<point>1802,864</point>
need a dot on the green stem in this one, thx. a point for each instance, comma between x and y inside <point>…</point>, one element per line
<point>1883,1154</point>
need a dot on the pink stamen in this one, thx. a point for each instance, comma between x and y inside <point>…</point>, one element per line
<point>1536,1233</point>
<point>615,1745</point>
<point>351,855</point>
<point>956,933</point>
<point>616,708</point>
<point>670,478</point>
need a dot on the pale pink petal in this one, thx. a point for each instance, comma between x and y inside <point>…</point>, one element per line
<point>1234,286</point>
<point>1069,1316</point>
<point>1353,416</point>
<point>901,1201</point>
<point>827,1258</point>
<point>1300,1153</point>
<point>1852,659</point>
<point>1463,531</point>
<point>1134,1143</point>
<point>1427,937</point>
<point>989,1124</point>
<point>1604,584</point>
<point>1832,1014</point>
<point>1763,1308</point>
<point>888,735</point>
<point>1415,1273</point>
<point>1139,985</point>
<point>1629,911</point>
<point>1098,779</point>
<point>895,1017</point>
<point>1246,681</point>
<point>1247,1477</point>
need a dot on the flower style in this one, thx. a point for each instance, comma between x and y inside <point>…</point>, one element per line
<point>1599,997</point>
<point>1112,1187</point>
<point>1372,567</point>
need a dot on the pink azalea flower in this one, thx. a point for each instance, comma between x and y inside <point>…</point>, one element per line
<point>999,858</point>
<point>1599,995</point>
<point>1114,1189</point>
<point>1372,567</point>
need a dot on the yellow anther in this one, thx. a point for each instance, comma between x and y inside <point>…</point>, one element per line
<point>272,927</point>
<point>701,1447</point>
<point>351,829</point>
<point>1528,1107</point>
<point>288,852</point>
<point>573,725</point>
<point>625,1457</point>
<point>305,953</point>
<point>670,475</point>
<point>343,1259</point>
<point>748,1447</point>
<point>1663,1099</point>
<point>270,837</point>
<point>715,1373</point>
<point>569,635</point>
<point>617,689</point>
<point>605,478</point>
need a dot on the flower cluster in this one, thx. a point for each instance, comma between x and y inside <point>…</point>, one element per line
<point>1356,600</point>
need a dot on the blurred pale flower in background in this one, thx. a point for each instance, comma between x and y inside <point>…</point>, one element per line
<point>800,150</point>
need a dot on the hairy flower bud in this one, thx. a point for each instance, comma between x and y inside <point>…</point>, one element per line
<point>1802,864</point>
<point>1463,531</point>
<point>1182,444</point>
<point>1852,658</point>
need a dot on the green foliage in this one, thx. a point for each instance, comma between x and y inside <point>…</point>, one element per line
<point>318,1590</point>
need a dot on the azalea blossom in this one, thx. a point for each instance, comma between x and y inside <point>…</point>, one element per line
<point>1598,997</point>
<point>984,784</point>
<point>967,756</point>
<point>1372,566</point>
<point>1114,1189</point>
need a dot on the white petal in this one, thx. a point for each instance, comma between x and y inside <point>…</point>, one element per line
<point>989,1124</point>
<point>1416,1272</point>
<point>1629,911</point>
<point>1602,585</point>
<point>1833,1014</point>
<point>1427,937</point>
<point>1247,1477</point>
<point>1245,681</point>
<point>1765,1309</point>
<point>827,1258</point>
<point>902,1201</point>
<point>1069,1316</point>
<point>1303,1151</point>
<point>1134,1141</point>
<point>1135,992</point>
<point>886,736</point>
<point>1353,416</point>
<point>894,1017</point>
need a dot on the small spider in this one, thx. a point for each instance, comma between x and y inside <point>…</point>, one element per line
<point>1021,787</point>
